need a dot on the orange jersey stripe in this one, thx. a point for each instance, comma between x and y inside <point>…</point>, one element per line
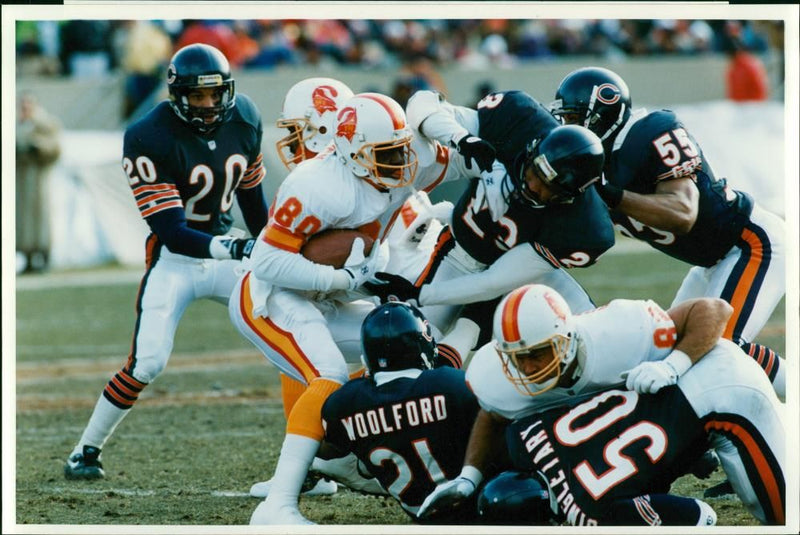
<point>153,187</point>
<point>745,283</point>
<point>442,156</point>
<point>251,181</point>
<point>155,197</point>
<point>444,238</point>
<point>762,465</point>
<point>283,238</point>
<point>408,213</point>
<point>281,341</point>
<point>509,315</point>
<point>162,206</point>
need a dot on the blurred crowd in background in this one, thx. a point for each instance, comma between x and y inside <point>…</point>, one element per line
<point>140,49</point>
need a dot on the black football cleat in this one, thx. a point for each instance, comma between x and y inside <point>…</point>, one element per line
<point>719,490</point>
<point>84,465</point>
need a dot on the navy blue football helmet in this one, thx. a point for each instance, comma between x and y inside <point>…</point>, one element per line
<point>396,336</point>
<point>517,498</point>
<point>568,159</point>
<point>593,97</point>
<point>199,66</point>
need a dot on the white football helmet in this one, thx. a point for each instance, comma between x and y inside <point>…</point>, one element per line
<point>374,140</point>
<point>309,113</point>
<point>531,317</point>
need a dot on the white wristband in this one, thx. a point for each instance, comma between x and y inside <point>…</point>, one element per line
<point>471,473</point>
<point>219,247</point>
<point>678,361</point>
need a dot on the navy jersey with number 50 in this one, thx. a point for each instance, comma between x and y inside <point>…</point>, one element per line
<point>615,444</point>
<point>411,433</point>
<point>566,235</point>
<point>170,165</point>
<point>658,147</point>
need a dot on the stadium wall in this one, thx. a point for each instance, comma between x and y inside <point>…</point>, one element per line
<point>94,220</point>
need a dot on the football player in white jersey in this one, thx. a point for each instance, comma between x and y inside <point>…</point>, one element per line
<point>305,317</point>
<point>547,354</point>
<point>309,115</point>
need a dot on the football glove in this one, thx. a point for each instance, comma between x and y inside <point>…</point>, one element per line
<point>476,150</point>
<point>393,288</point>
<point>424,212</point>
<point>450,493</point>
<point>650,377</point>
<point>228,247</point>
<point>490,192</point>
<point>357,266</point>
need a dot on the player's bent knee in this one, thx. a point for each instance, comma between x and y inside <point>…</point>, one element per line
<point>146,370</point>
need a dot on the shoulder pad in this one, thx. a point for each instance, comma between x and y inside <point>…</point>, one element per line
<point>421,105</point>
<point>247,110</point>
<point>153,134</point>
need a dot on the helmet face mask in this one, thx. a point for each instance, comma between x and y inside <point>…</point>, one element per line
<point>309,114</point>
<point>389,165</point>
<point>396,336</point>
<point>534,322</point>
<point>292,147</point>
<point>198,67</point>
<point>566,161</point>
<point>373,140</point>
<point>547,376</point>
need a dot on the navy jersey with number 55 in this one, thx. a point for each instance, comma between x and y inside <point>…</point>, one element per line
<point>411,433</point>
<point>615,444</point>
<point>170,165</point>
<point>658,147</point>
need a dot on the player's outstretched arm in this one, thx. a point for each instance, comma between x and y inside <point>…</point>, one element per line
<point>486,442</point>
<point>699,324</point>
<point>673,207</point>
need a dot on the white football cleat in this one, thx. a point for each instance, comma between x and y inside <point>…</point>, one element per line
<point>345,471</point>
<point>277,514</point>
<point>708,517</point>
<point>312,486</point>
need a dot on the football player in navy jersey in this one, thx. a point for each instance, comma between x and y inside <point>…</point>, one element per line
<point>662,189</point>
<point>545,220</point>
<point>185,162</point>
<point>409,419</point>
<point>576,450</point>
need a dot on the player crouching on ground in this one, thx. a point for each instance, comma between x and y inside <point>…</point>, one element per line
<point>408,421</point>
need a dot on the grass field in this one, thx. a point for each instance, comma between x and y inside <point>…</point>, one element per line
<point>212,423</point>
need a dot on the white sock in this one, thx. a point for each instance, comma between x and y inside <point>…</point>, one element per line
<point>297,454</point>
<point>462,336</point>
<point>105,418</point>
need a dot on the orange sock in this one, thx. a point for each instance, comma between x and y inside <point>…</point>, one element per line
<point>291,390</point>
<point>305,418</point>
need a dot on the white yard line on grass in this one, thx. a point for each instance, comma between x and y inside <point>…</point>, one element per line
<point>137,492</point>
